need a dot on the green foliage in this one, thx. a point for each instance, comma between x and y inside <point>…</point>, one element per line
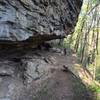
<point>96,1</point>
<point>94,88</point>
<point>65,42</point>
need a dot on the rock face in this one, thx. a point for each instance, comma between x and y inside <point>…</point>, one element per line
<point>22,19</point>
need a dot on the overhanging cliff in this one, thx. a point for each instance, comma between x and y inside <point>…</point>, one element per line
<point>22,20</point>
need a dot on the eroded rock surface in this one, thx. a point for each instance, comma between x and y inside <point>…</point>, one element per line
<point>21,19</point>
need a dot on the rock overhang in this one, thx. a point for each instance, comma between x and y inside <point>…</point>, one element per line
<point>21,20</point>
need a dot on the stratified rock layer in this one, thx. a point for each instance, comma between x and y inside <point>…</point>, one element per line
<point>22,19</point>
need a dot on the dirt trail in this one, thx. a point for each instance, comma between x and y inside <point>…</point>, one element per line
<point>58,85</point>
<point>62,84</point>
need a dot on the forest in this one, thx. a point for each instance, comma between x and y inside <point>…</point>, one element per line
<point>86,38</point>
